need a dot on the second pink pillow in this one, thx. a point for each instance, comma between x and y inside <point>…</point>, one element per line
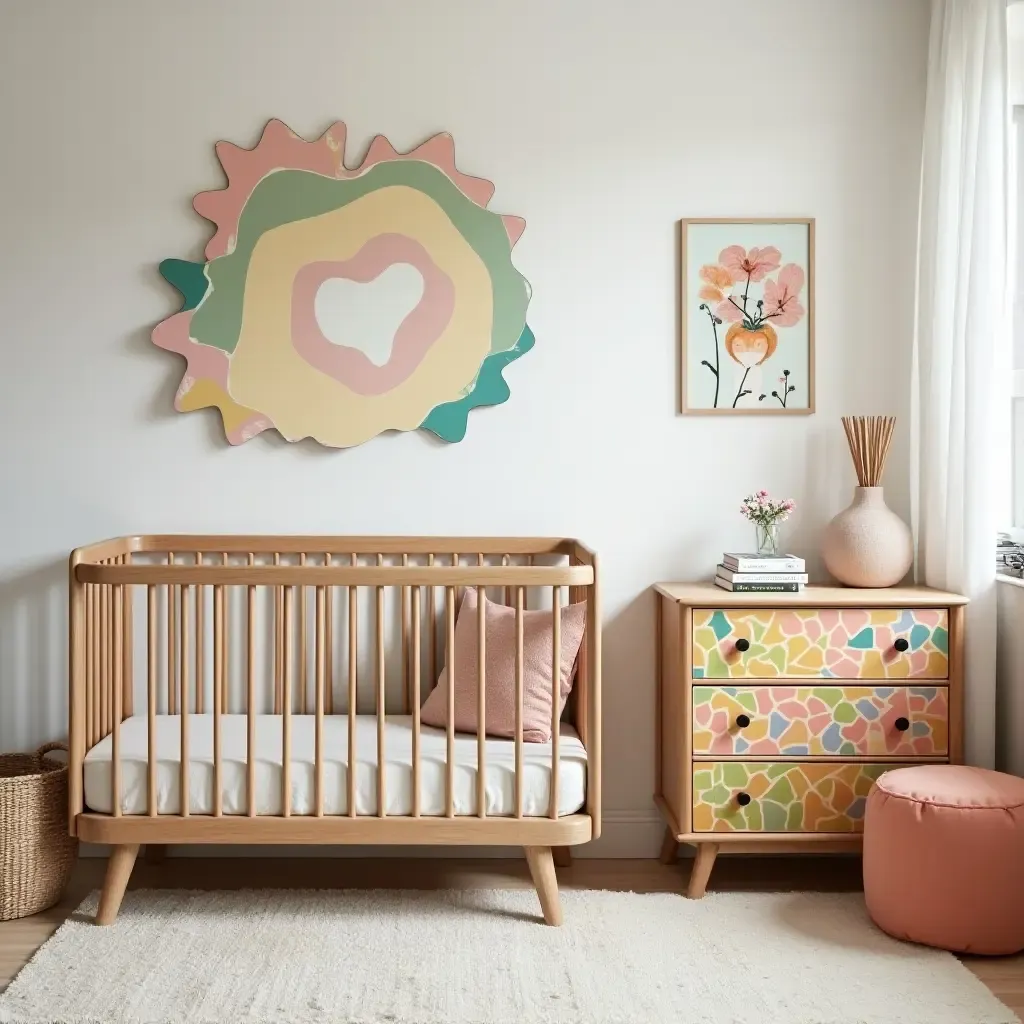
<point>500,665</point>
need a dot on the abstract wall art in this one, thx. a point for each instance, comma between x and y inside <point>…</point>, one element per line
<point>338,303</point>
<point>747,301</point>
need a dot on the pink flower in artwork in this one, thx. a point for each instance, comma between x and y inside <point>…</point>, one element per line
<point>752,264</point>
<point>782,296</point>
<point>730,310</point>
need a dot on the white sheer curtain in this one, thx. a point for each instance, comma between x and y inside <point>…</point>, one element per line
<point>960,400</point>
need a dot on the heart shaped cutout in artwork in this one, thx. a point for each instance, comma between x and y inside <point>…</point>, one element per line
<point>366,316</point>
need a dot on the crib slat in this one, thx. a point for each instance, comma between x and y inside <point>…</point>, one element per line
<point>90,675</point>
<point>432,624</point>
<point>218,694</point>
<point>225,702</point>
<point>353,694</point>
<point>286,708</point>
<point>172,644</point>
<point>103,674</point>
<point>556,694</point>
<point>449,776</point>
<point>508,590</point>
<point>98,669</point>
<point>520,608</point>
<point>93,662</point>
<point>578,595</point>
<point>116,694</point>
<point>415,702</point>
<point>382,803</point>
<point>319,699</point>
<point>329,644</point>
<point>303,674</point>
<point>481,704</point>
<point>151,755</point>
<point>405,643</point>
<point>278,640</point>
<point>200,637</point>
<point>183,661</point>
<point>104,659</point>
<point>250,701</point>
<point>183,781</point>
<point>353,625</point>
<point>127,653</point>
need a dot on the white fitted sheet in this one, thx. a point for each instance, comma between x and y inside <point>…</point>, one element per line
<point>499,769</point>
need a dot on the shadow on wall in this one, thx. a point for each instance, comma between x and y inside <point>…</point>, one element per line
<point>33,657</point>
<point>628,709</point>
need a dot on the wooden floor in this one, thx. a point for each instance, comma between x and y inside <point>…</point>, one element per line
<point>20,939</point>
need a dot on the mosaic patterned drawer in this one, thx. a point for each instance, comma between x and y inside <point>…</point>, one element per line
<point>811,797</point>
<point>836,643</point>
<point>810,721</point>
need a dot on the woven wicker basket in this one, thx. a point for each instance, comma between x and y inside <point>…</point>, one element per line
<point>36,852</point>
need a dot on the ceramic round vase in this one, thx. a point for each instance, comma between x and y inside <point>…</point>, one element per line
<point>867,544</point>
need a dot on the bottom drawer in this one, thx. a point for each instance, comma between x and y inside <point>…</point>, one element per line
<point>759,796</point>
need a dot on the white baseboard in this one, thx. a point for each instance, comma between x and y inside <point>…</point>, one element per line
<point>624,835</point>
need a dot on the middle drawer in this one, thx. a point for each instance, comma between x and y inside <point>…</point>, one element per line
<point>809,721</point>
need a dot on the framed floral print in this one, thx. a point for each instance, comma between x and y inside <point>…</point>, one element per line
<point>747,316</point>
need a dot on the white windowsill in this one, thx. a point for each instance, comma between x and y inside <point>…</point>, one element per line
<point>1013,581</point>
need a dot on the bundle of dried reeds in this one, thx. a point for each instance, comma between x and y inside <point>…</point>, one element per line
<point>869,438</point>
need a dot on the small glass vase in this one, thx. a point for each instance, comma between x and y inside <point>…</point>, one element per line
<point>767,540</point>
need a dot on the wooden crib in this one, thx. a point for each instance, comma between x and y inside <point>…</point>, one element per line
<point>211,680</point>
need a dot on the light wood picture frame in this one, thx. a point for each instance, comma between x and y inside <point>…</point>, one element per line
<point>747,316</point>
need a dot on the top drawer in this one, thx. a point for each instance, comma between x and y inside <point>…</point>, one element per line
<point>839,643</point>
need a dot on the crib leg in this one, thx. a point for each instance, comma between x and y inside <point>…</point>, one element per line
<point>155,853</point>
<point>542,871</point>
<point>119,870</point>
<point>562,856</point>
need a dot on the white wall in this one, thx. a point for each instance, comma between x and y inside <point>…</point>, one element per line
<point>602,124</point>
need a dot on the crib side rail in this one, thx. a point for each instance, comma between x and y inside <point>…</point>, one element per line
<point>196,611</point>
<point>337,545</point>
<point>119,573</point>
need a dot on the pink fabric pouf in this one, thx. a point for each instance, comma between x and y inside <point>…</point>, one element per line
<point>944,858</point>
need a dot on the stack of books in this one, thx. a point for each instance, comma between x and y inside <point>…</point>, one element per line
<point>761,574</point>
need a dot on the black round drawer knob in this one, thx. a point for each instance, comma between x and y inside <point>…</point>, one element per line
<point>902,645</point>
<point>902,724</point>
<point>742,644</point>
<point>743,799</point>
<point>742,721</point>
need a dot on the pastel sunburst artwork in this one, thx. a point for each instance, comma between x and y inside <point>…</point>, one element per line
<point>338,303</point>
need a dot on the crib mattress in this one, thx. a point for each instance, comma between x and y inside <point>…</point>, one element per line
<point>499,769</point>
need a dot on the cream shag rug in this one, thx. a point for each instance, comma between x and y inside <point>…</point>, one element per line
<point>481,957</point>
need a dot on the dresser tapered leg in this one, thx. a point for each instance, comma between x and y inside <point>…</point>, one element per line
<point>669,847</point>
<point>701,870</point>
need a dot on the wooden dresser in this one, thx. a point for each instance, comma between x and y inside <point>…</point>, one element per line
<point>776,712</point>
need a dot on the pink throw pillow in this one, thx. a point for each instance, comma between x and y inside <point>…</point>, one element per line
<point>500,665</point>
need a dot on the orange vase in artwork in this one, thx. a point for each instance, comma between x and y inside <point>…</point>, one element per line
<point>750,346</point>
